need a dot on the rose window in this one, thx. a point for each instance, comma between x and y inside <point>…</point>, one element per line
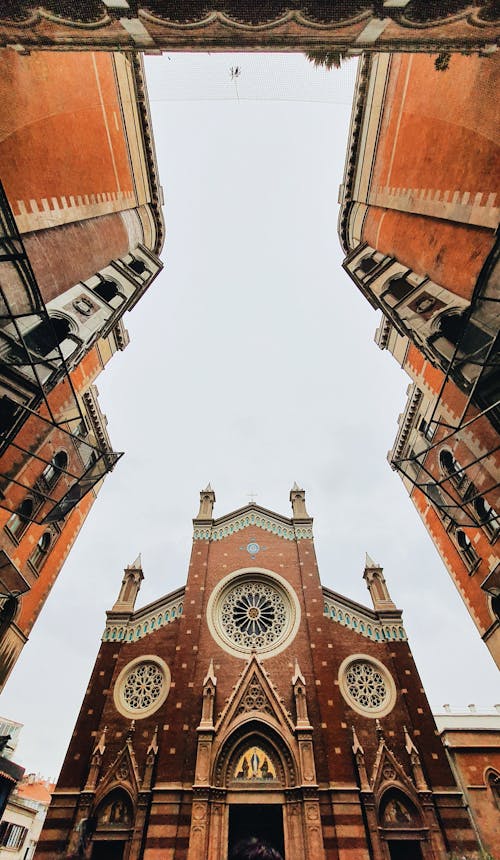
<point>366,685</point>
<point>253,611</point>
<point>254,615</point>
<point>142,687</point>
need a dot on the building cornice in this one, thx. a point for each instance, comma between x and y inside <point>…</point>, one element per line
<point>353,146</point>
<point>149,149</point>
<point>379,627</point>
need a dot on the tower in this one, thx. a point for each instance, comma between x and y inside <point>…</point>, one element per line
<point>253,700</point>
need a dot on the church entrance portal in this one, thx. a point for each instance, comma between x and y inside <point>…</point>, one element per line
<point>262,820</point>
<point>404,849</point>
<point>104,849</point>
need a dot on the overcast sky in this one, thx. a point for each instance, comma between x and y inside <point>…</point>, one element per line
<point>251,365</point>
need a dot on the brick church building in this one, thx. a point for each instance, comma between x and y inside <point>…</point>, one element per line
<point>253,700</point>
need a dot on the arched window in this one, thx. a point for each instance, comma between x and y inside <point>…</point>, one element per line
<point>487,516</point>
<point>138,266</point>
<point>47,335</point>
<point>467,551</point>
<point>494,784</point>
<point>453,330</point>
<point>52,471</point>
<point>451,467</point>
<point>106,289</point>
<point>365,266</point>
<point>397,289</point>
<point>20,520</point>
<point>39,554</point>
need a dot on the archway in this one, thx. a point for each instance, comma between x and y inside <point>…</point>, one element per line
<point>401,826</point>
<point>113,826</point>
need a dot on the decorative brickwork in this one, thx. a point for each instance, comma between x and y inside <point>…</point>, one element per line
<point>320,745</point>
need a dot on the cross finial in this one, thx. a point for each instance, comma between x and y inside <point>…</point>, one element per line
<point>251,495</point>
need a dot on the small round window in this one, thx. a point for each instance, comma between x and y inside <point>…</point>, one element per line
<point>367,686</point>
<point>142,687</point>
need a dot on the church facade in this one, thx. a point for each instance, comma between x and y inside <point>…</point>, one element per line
<point>255,701</point>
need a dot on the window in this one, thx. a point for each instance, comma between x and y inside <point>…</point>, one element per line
<point>52,471</point>
<point>142,687</point>
<point>451,467</point>
<point>494,783</point>
<point>467,551</point>
<point>12,835</point>
<point>39,554</point>
<point>253,612</point>
<point>366,685</point>
<point>20,520</point>
<point>365,266</point>
<point>47,335</point>
<point>397,289</point>
<point>138,266</point>
<point>487,516</point>
<point>454,330</point>
<point>106,289</point>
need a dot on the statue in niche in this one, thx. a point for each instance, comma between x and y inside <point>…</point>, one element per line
<point>397,813</point>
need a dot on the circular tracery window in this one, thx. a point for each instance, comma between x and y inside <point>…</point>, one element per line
<point>142,686</point>
<point>253,615</point>
<point>253,611</point>
<point>367,686</point>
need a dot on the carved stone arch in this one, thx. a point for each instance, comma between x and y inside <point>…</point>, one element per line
<point>398,809</point>
<point>255,733</point>
<point>115,809</point>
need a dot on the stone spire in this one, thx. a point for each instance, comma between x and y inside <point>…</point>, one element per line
<point>298,500</point>
<point>207,501</point>
<point>131,583</point>
<point>377,586</point>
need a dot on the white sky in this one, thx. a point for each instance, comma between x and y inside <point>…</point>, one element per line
<point>251,365</point>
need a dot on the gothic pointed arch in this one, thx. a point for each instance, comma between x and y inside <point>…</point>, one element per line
<point>115,811</point>
<point>122,773</point>
<point>255,754</point>
<point>398,810</point>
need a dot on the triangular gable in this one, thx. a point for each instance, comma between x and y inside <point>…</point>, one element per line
<point>254,695</point>
<point>122,771</point>
<point>252,516</point>
<point>387,771</point>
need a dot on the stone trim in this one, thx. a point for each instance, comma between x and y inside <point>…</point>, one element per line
<point>361,622</point>
<point>466,207</point>
<point>146,621</point>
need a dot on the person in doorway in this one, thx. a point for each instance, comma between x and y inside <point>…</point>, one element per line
<point>254,849</point>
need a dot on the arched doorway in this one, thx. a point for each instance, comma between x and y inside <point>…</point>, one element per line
<point>401,826</point>
<point>113,826</point>
<point>255,780</point>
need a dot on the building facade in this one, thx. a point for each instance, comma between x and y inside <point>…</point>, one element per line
<point>253,700</point>
<point>82,229</point>
<point>228,25</point>
<point>472,742</point>
<point>418,223</point>
<point>23,818</point>
<point>10,772</point>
